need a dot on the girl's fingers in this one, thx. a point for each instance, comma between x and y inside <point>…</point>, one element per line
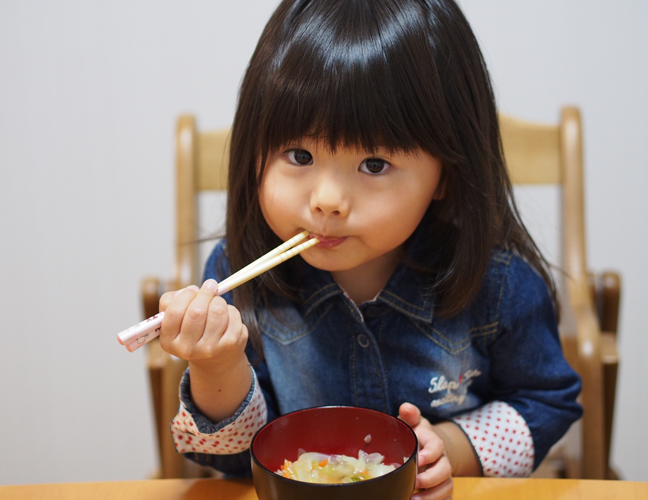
<point>233,336</point>
<point>225,335</point>
<point>430,444</point>
<point>442,491</point>
<point>431,451</point>
<point>410,414</point>
<point>199,325</point>
<point>174,305</point>
<point>196,312</point>
<point>435,480</point>
<point>435,475</point>
<point>165,300</point>
<point>168,297</point>
<point>218,322</point>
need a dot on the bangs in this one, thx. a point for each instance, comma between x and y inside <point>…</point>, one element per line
<point>355,74</point>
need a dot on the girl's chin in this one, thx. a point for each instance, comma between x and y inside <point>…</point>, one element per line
<point>327,264</point>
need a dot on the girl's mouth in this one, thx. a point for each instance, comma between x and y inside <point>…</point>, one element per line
<point>328,241</point>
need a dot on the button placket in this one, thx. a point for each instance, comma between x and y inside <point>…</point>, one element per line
<point>368,372</point>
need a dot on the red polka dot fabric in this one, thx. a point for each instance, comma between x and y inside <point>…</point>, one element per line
<point>501,438</point>
<point>233,438</point>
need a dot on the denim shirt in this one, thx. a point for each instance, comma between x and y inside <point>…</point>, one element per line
<point>393,349</point>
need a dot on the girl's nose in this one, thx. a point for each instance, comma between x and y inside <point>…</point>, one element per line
<point>329,198</point>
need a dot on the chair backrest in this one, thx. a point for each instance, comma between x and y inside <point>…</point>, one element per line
<point>535,154</point>
<point>553,154</point>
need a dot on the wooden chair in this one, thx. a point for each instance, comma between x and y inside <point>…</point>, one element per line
<point>535,154</point>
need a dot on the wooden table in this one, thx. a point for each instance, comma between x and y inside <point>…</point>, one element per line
<point>218,489</point>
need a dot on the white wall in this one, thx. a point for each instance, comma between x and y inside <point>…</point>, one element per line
<point>89,92</point>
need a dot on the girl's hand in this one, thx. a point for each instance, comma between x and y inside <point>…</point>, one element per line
<point>435,473</point>
<point>200,327</point>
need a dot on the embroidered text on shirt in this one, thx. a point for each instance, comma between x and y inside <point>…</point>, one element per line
<point>455,389</point>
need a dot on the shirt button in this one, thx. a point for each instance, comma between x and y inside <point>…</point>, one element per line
<point>363,340</point>
<point>372,312</point>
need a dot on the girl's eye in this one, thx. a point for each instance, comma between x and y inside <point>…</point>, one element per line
<point>300,157</point>
<point>374,166</point>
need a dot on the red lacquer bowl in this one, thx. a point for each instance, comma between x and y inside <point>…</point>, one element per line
<point>337,430</point>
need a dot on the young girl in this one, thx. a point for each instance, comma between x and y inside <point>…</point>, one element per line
<point>372,124</point>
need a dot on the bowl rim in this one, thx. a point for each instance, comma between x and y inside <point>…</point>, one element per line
<point>413,456</point>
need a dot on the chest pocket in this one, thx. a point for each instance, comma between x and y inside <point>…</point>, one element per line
<point>287,325</point>
<point>454,335</point>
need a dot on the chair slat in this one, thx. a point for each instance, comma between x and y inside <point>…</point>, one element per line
<point>213,158</point>
<point>532,151</point>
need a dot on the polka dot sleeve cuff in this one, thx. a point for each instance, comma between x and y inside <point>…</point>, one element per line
<point>193,432</point>
<point>501,439</point>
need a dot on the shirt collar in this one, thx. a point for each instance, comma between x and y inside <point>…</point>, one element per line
<point>407,291</point>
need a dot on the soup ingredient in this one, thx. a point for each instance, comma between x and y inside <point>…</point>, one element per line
<point>312,467</point>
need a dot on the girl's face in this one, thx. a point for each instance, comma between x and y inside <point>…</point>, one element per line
<point>361,206</point>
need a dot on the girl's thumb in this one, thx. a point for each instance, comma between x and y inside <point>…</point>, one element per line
<point>409,414</point>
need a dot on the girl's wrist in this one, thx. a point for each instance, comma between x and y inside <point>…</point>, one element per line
<point>218,393</point>
<point>440,430</point>
<point>217,368</point>
<point>458,449</point>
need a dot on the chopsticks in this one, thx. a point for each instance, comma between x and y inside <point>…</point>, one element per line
<point>142,333</point>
